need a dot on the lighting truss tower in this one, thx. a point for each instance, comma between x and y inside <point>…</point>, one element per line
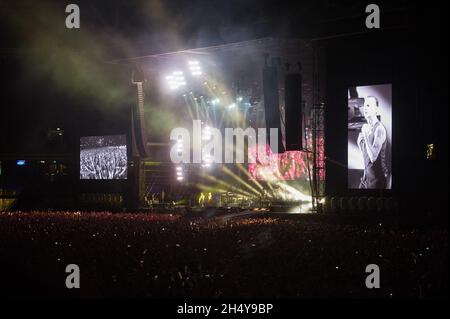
<point>318,152</point>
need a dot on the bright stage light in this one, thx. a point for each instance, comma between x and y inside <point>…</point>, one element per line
<point>194,67</point>
<point>180,146</point>
<point>216,101</point>
<point>232,106</point>
<point>206,158</point>
<point>206,136</point>
<point>176,80</point>
<point>179,173</point>
<point>239,99</point>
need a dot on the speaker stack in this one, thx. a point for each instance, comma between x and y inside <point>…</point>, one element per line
<point>272,105</point>
<point>293,111</point>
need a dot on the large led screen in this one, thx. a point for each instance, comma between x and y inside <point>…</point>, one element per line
<point>103,157</point>
<point>370,137</point>
<point>290,165</point>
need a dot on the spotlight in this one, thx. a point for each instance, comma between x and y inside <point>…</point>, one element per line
<point>239,99</point>
<point>232,106</point>
<point>194,67</point>
<point>175,80</point>
<point>179,173</point>
<point>206,133</point>
<point>206,157</point>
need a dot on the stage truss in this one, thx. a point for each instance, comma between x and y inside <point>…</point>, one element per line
<point>317,140</point>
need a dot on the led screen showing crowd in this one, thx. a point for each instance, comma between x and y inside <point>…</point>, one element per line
<point>103,157</point>
<point>369,137</point>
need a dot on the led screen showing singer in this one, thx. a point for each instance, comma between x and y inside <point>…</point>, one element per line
<point>370,137</point>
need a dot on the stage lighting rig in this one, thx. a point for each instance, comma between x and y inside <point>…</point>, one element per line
<point>179,173</point>
<point>206,157</point>
<point>176,80</point>
<point>215,101</point>
<point>179,168</point>
<point>194,67</point>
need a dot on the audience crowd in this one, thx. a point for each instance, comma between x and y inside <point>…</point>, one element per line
<point>175,255</point>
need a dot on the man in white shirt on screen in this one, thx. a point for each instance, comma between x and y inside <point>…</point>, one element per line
<point>372,143</point>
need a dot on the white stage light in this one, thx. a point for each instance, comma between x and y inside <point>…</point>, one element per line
<point>176,80</point>
<point>194,67</point>
<point>215,101</point>
<point>179,173</point>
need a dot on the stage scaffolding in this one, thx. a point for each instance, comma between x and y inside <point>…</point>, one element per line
<point>318,153</point>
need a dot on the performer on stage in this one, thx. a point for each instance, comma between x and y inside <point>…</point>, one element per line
<point>372,144</point>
